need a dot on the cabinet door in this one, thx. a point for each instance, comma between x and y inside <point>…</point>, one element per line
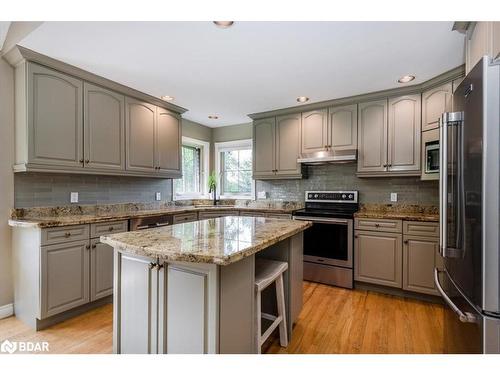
<point>378,258</point>
<point>287,144</point>
<point>168,143</point>
<point>101,270</point>
<point>104,128</point>
<point>264,147</point>
<point>420,255</point>
<point>65,277</point>
<point>404,134</point>
<point>314,131</point>
<point>136,308</point>
<point>343,127</point>
<point>434,102</point>
<point>140,125</point>
<point>372,136</point>
<point>186,311</point>
<point>55,123</point>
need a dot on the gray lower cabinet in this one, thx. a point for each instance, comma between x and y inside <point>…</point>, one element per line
<point>420,257</point>
<point>101,270</point>
<point>140,125</point>
<point>104,128</point>
<point>54,118</point>
<point>434,102</point>
<point>185,218</point>
<point>64,277</point>
<point>372,137</point>
<point>202,215</point>
<point>378,257</point>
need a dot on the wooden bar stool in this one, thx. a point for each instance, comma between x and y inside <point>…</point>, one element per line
<point>268,272</point>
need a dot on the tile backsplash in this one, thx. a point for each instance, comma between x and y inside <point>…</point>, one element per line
<point>51,189</point>
<point>343,177</point>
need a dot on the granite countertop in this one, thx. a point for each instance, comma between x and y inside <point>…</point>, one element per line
<point>219,241</point>
<point>48,217</point>
<point>398,212</point>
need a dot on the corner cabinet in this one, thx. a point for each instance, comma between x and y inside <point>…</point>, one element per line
<point>389,136</point>
<point>276,147</point>
<point>70,125</point>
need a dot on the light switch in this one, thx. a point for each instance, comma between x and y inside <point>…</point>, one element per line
<point>158,196</point>
<point>73,197</point>
<point>394,197</point>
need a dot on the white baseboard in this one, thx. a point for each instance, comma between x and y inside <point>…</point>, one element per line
<point>6,310</point>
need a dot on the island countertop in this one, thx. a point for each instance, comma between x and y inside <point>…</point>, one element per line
<point>220,241</point>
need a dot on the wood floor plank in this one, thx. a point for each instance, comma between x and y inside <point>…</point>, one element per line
<point>333,320</point>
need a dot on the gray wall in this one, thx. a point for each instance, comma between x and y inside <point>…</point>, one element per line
<point>232,133</point>
<point>47,189</point>
<point>343,177</point>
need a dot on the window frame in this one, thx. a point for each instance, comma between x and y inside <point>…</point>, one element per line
<point>219,147</point>
<point>204,169</point>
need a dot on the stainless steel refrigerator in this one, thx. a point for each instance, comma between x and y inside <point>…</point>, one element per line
<point>469,213</point>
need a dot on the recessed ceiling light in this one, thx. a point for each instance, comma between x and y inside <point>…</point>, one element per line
<point>224,24</point>
<point>302,99</point>
<point>406,79</point>
<point>213,117</point>
<point>167,98</point>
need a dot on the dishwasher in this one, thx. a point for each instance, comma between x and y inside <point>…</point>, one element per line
<point>151,222</point>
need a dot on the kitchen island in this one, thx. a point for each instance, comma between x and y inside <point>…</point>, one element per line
<point>189,288</point>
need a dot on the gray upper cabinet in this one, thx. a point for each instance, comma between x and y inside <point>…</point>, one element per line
<point>54,114</point>
<point>64,277</point>
<point>404,134</point>
<point>372,135</point>
<point>314,131</point>
<point>104,128</point>
<point>168,142</point>
<point>264,147</point>
<point>434,102</point>
<point>343,127</point>
<point>287,144</point>
<point>140,125</point>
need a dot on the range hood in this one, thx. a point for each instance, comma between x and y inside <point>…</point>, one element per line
<point>328,157</point>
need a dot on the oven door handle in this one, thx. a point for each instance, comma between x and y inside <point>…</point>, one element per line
<point>322,220</point>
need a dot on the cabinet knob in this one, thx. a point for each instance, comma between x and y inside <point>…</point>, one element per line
<point>94,246</point>
<point>81,161</point>
<point>87,247</point>
<point>110,228</point>
<point>67,234</point>
<point>87,161</point>
<point>152,265</point>
<point>405,242</point>
<point>377,225</point>
<point>356,236</point>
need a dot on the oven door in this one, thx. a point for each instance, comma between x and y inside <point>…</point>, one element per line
<point>329,241</point>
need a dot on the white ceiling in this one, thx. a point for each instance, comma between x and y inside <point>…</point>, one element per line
<point>4,28</point>
<point>252,66</point>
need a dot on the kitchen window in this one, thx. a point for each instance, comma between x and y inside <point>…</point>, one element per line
<point>234,169</point>
<point>195,157</point>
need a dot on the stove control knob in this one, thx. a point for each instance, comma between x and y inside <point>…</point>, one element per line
<point>343,196</point>
<point>350,196</point>
<point>309,196</point>
<point>316,195</point>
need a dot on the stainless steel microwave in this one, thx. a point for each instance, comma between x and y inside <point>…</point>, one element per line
<point>432,157</point>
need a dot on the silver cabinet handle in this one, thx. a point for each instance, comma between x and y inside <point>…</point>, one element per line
<point>464,317</point>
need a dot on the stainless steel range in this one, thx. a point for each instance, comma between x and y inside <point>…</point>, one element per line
<point>328,244</point>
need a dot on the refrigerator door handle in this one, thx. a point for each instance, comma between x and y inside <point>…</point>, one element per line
<point>463,317</point>
<point>443,170</point>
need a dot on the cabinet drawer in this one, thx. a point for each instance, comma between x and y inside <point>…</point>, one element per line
<point>185,218</point>
<point>214,214</point>
<point>382,225</point>
<point>65,234</point>
<point>421,228</point>
<point>99,229</point>
<point>252,213</point>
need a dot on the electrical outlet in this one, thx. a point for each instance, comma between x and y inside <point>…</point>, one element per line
<point>394,197</point>
<point>158,196</point>
<point>262,194</point>
<point>73,198</point>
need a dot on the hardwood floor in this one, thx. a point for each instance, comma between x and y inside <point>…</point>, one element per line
<point>333,320</point>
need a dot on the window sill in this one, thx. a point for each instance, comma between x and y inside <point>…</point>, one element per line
<point>189,197</point>
<point>243,197</point>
